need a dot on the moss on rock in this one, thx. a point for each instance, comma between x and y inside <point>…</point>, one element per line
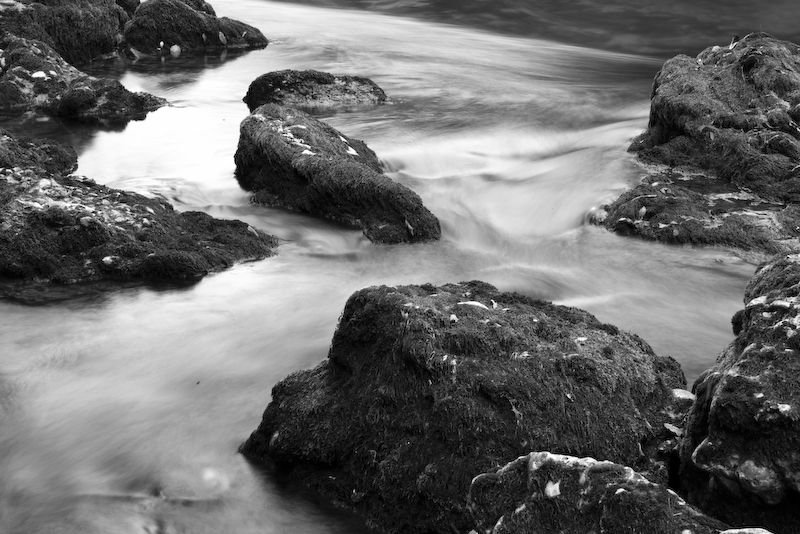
<point>425,387</point>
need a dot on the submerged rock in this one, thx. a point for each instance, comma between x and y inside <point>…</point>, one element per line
<point>730,116</point>
<point>425,387</point>
<point>67,229</point>
<point>158,25</point>
<point>550,493</point>
<point>290,159</point>
<point>35,77</point>
<point>311,88</point>
<point>739,459</point>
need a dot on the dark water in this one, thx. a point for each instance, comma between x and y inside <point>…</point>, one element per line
<point>510,136</point>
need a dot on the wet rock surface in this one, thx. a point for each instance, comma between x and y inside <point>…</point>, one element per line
<point>78,30</point>
<point>288,158</point>
<point>311,88</point>
<point>425,387</point>
<point>64,229</point>
<point>176,26</point>
<point>35,77</point>
<point>677,207</point>
<point>550,493</point>
<point>739,460</point>
<point>730,116</point>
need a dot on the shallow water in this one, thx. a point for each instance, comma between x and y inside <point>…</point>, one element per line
<point>510,140</point>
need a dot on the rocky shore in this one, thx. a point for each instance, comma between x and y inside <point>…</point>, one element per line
<point>458,407</point>
<point>61,229</point>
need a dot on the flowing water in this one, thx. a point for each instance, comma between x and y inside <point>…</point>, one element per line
<point>509,139</point>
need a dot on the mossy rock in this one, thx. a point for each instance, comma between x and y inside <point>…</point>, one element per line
<point>426,387</point>
<point>288,158</point>
<point>157,25</point>
<point>312,89</point>
<point>543,492</point>
<point>739,456</point>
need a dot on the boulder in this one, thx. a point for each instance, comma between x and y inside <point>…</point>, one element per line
<point>543,493</point>
<point>288,158</point>
<point>739,458</point>
<point>425,387</point>
<point>160,25</point>
<point>78,30</point>
<point>68,229</point>
<point>311,89</point>
<point>35,77</point>
<point>730,117</point>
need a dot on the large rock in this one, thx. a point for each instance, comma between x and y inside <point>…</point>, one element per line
<point>740,460</point>
<point>158,26</point>
<point>729,115</point>
<point>35,77</point>
<point>544,493</point>
<point>312,89</point>
<point>67,229</point>
<point>425,387</point>
<point>79,30</point>
<point>290,159</point>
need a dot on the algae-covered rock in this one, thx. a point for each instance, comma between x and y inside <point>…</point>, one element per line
<point>731,110</point>
<point>697,209</point>
<point>159,25</point>
<point>739,460</point>
<point>68,229</point>
<point>425,387</point>
<point>730,116</point>
<point>551,493</point>
<point>312,89</point>
<point>37,78</point>
<point>290,159</point>
<point>78,30</point>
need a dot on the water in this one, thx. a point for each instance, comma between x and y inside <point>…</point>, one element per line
<point>509,139</point>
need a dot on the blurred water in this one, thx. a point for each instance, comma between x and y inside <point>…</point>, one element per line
<point>123,413</point>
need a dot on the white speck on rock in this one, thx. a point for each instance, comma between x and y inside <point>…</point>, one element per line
<point>453,318</point>
<point>108,260</point>
<point>620,490</point>
<point>552,489</point>
<point>679,393</point>
<point>39,74</point>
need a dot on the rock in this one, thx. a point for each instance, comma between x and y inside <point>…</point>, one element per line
<point>67,229</point>
<point>157,25</point>
<point>47,155</point>
<point>410,405</point>
<point>551,493</point>
<point>311,88</point>
<point>690,208</point>
<point>739,459</point>
<point>290,159</point>
<point>79,30</point>
<point>730,117</point>
<point>37,78</point>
